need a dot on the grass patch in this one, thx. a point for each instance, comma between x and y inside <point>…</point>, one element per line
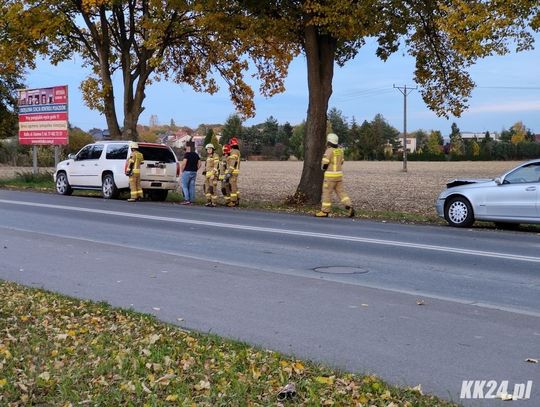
<point>56,350</point>
<point>42,181</point>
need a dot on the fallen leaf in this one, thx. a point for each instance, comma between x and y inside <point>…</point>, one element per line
<point>417,389</point>
<point>202,385</point>
<point>504,396</point>
<point>420,302</point>
<point>156,308</point>
<point>45,376</point>
<point>325,380</point>
<point>531,360</point>
<point>171,397</point>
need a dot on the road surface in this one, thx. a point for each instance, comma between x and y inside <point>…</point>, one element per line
<point>339,291</point>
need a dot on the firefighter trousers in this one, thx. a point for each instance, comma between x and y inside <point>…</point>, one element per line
<point>135,186</point>
<point>330,186</point>
<point>210,189</point>
<point>233,181</point>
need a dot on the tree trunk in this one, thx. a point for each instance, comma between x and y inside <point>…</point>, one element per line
<point>320,54</point>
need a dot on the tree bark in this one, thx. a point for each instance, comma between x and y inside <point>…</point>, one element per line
<point>320,55</point>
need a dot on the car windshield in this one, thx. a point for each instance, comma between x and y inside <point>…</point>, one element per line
<point>161,154</point>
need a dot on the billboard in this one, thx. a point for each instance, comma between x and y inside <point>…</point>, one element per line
<point>43,116</point>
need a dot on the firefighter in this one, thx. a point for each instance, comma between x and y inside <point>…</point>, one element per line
<point>133,171</point>
<point>225,184</point>
<point>233,169</point>
<point>210,172</point>
<point>332,163</point>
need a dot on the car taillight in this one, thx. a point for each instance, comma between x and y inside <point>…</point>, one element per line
<point>177,169</point>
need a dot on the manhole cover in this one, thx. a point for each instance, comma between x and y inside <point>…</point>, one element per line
<point>340,270</point>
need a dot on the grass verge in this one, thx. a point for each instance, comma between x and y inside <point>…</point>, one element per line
<point>42,181</point>
<point>56,350</point>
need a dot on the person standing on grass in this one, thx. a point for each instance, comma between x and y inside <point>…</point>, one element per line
<point>189,167</point>
<point>210,171</point>
<point>232,172</point>
<point>332,165</point>
<point>133,171</point>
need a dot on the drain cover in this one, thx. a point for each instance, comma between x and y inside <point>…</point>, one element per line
<point>340,270</point>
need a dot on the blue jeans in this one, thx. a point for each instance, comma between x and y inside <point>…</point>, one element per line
<point>188,185</point>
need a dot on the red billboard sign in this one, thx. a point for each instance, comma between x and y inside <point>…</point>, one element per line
<point>43,116</point>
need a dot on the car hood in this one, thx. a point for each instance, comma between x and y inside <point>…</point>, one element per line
<point>466,181</point>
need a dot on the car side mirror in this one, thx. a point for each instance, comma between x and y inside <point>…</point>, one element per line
<point>498,180</point>
<point>71,156</point>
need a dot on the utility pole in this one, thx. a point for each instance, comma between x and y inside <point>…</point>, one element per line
<point>405,91</point>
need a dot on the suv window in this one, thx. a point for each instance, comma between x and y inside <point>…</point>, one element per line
<point>84,154</point>
<point>161,154</point>
<point>117,151</point>
<point>96,152</point>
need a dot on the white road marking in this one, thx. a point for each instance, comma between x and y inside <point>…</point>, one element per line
<point>394,243</point>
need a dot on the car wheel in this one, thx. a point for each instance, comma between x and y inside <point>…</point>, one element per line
<point>158,195</point>
<point>458,212</point>
<point>62,184</point>
<point>108,187</point>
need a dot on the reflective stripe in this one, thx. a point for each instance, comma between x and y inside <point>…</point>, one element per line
<point>236,172</point>
<point>346,199</point>
<point>325,160</point>
<point>333,174</point>
<point>327,204</point>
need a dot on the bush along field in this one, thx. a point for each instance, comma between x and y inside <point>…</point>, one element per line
<point>56,350</point>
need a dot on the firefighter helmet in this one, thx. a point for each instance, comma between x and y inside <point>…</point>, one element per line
<point>210,145</point>
<point>226,149</point>
<point>233,142</point>
<point>134,145</point>
<point>332,138</point>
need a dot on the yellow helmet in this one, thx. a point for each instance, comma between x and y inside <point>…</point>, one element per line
<point>210,145</point>
<point>332,138</point>
<point>134,145</point>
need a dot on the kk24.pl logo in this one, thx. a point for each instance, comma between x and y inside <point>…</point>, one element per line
<point>491,389</point>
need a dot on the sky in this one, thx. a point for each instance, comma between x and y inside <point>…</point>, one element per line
<point>508,91</point>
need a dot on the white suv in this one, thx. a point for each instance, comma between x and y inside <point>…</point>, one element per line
<point>100,166</point>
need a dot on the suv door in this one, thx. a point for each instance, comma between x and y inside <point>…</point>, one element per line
<point>85,171</point>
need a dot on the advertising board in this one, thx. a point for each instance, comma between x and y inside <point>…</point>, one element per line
<point>43,116</point>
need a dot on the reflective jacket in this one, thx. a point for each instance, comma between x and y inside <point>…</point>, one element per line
<point>333,157</point>
<point>211,166</point>
<point>233,162</point>
<point>222,167</point>
<point>134,162</point>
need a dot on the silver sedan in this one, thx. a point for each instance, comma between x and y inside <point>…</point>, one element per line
<point>508,200</point>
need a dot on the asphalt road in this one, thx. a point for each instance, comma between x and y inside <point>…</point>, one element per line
<point>340,291</point>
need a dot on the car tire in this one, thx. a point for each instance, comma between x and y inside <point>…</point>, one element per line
<point>62,184</point>
<point>458,212</point>
<point>108,187</point>
<point>158,195</point>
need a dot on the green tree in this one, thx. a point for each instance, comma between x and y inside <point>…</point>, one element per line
<point>457,148</point>
<point>297,140</point>
<point>270,131</point>
<point>435,142</point>
<point>209,136</point>
<point>78,138</point>
<point>9,83</point>
<point>421,140</point>
<point>519,133</point>
<point>339,125</point>
<point>353,151</point>
<point>231,128</point>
